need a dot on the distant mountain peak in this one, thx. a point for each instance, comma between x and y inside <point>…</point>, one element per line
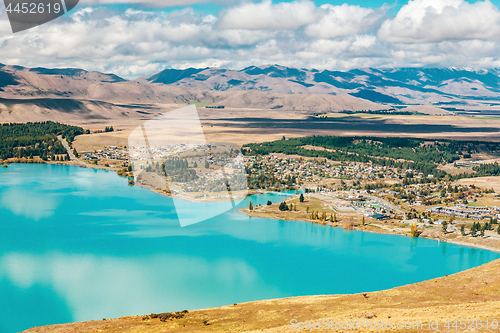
<point>69,72</point>
<point>170,75</point>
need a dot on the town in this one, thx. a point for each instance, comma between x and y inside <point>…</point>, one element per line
<point>363,195</point>
<point>355,194</point>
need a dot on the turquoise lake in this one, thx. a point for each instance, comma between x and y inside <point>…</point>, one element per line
<point>80,244</point>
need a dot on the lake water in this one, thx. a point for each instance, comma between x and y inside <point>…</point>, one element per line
<point>80,244</point>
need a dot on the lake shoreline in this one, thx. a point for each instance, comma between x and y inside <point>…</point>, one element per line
<point>257,192</point>
<point>253,214</point>
<point>379,230</point>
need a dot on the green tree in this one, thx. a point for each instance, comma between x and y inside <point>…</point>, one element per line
<point>250,206</point>
<point>75,153</point>
<point>473,229</point>
<point>283,206</point>
<point>301,198</point>
<point>462,230</point>
<point>498,230</point>
<point>445,226</point>
<point>269,202</point>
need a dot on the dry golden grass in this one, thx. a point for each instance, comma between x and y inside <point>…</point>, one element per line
<point>97,141</point>
<point>483,182</point>
<point>225,125</point>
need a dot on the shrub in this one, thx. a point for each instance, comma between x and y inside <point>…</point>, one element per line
<point>283,206</point>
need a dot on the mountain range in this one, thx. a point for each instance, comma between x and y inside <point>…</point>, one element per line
<point>388,86</point>
<point>38,93</point>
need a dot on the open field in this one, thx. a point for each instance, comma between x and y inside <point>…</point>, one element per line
<point>485,182</point>
<point>473,294</point>
<point>243,126</point>
<point>246,125</point>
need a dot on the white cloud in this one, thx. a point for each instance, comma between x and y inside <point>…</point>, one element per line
<point>237,37</point>
<point>137,42</point>
<point>363,44</point>
<point>269,16</point>
<point>423,21</point>
<point>342,21</point>
<point>157,3</point>
<point>333,47</point>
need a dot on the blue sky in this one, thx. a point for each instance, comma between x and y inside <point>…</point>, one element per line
<point>133,38</point>
<point>215,6</point>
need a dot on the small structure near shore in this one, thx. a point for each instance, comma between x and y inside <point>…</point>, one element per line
<point>380,217</point>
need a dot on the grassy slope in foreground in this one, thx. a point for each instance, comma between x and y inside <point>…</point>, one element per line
<point>471,294</point>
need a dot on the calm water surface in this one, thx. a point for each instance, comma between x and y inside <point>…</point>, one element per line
<point>80,244</point>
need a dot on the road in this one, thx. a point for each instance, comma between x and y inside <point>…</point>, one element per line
<point>385,204</point>
<point>72,156</point>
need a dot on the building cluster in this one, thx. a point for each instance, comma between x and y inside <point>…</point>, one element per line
<point>108,153</point>
<point>357,201</point>
<point>144,153</point>
<point>313,170</point>
<point>215,155</point>
<point>435,193</point>
<point>466,212</point>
